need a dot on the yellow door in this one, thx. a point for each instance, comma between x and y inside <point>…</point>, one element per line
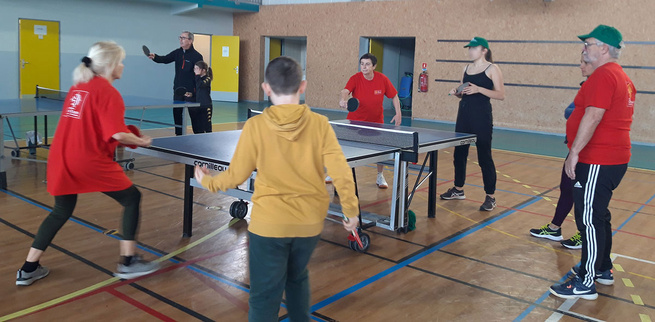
<point>39,55</point>
<point>225,65</point>
<point>275,48</point>
<point>376,47</point>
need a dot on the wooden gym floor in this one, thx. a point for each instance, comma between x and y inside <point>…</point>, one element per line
<point>464,265</point>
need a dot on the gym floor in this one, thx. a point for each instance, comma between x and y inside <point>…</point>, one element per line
<point>463,265</point>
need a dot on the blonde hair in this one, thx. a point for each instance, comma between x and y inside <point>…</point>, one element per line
<point>103,57</point>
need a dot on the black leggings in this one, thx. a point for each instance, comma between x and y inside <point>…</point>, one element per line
<point>201,119</point>
<point>129,198</point>
<point>475,119</point>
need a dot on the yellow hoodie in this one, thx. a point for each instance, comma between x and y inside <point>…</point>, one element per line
<point>290,146</point>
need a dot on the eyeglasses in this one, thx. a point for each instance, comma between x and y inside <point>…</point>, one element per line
<point>586,44</point>
<point>183,38</point>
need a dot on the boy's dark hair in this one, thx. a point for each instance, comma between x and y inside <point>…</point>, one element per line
<point>284,75</point>
<point>370,56</point>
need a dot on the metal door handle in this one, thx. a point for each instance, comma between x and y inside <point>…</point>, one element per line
<point>237,69</point>
<point>22,63</point>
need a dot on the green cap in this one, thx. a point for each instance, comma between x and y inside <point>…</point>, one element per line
<point>606,34</point>
<point>478,41</point>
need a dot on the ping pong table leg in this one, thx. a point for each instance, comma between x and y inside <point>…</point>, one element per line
<point>188,201</point>
<point>3,173</point>
<point>185,116</point>
<point>432,185</point>
<point>361,223</point>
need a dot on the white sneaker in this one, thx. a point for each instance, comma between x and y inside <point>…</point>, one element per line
<point>382,184</point>
<point>328,179</point>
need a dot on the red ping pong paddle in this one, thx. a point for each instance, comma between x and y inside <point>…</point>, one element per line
<point>353,104</point>
<point>355,234</point>
<point>135,131</point>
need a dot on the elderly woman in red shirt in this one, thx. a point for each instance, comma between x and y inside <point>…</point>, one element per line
<point>81,160</point>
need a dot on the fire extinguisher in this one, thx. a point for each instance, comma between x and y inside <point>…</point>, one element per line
<point>423,79</point>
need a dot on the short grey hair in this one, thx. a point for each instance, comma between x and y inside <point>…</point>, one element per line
<point>189,34</point>
<point>614,52</point>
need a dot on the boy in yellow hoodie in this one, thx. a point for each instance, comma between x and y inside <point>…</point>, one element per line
<point>289,146</point>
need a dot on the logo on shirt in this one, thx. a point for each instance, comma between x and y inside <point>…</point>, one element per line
<point>631,102</point>
<point>377,92</point>
<point>75,104</point>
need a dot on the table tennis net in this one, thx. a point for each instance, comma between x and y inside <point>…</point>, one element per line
<point>373,135</point>
<point>368,133</point>
<point>49,93</point>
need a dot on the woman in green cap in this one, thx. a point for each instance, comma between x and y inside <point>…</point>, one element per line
<point>484,81</point>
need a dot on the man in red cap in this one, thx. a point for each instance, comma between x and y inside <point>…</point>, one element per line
<point>599,151</point>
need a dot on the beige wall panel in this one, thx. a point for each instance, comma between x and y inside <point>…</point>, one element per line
<point>333,31</point>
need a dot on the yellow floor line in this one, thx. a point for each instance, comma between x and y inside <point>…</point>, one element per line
<point>503,232</point>
<point>637,299</point>
<point>642,276</point>
<point>197,242</point>
<point>627,282</point>
<point>111,280</point>
<point>644,318</point>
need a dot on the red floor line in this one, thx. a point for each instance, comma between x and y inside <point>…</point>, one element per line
<point>125,282</point>
<point>140,305</point>
<point>233,299</point>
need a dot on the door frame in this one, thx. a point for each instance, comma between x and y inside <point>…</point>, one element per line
<point>19,52</point>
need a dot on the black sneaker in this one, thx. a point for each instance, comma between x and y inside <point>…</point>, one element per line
<point>574,289</point>
<point>489,204</point>
<point>605,278</point>
<point>574,242</point>
<point>24,278</point>
<point>453,193</point>
<point>546,232</point>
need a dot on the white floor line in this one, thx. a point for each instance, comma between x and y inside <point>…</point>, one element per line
<point>566,306</point>
<point>635,259</point>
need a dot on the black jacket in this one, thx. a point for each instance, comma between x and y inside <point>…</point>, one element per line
<point>203,90</point>
<point>184,62</point>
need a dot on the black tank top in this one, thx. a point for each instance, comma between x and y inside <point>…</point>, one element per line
<point>482,80</point>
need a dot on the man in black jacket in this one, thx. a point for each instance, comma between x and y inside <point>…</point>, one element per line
<point>185,58</point>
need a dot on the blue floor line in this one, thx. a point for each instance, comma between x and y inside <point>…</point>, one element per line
<point>633,215</point>
<point>413,259</point>
<point>545,295</point>
<point>139,246</point>
<point>214,277</point>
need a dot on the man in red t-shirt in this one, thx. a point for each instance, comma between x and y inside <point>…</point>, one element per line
<point>599,151</point>
<point>370,88</point>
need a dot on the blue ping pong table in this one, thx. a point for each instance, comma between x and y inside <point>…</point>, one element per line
<point>362,143</point>
<point>50,102</point>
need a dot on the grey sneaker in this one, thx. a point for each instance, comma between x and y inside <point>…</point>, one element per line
<point>489,204</point>
<point>24,278</point>
<point>138,267</point>
<point>453,193</point>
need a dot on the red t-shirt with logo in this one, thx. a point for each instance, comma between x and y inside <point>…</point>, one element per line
<point>370,94</point>
<point>611,89</point>
<point>81,157</point>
